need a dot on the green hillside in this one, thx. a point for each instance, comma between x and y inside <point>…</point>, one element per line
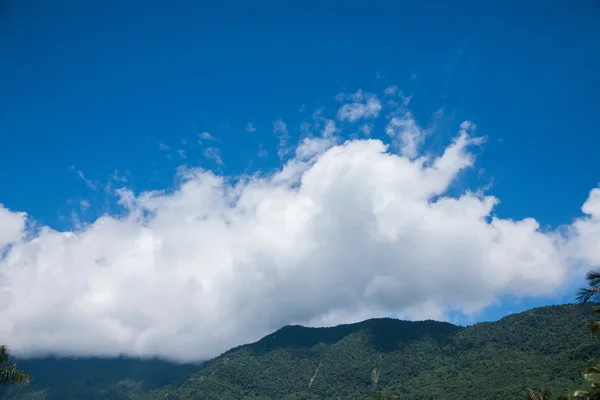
<point>411,360</point>
<point>94,378</point>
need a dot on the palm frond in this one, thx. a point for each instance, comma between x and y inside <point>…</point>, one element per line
<point>591,372</point>
<point>594,327</point>
<point>593,277</point>
<point>593,394</point>
<point>10,375</point>
<point>592,291</point>
<point>543,395</point>
<point>592,366</point>
<point>578,394</point>
<point>593,378</point>
<point>4,355</point>
<point>588,294</point>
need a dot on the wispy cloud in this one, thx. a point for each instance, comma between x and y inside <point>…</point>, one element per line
<point>250,127</point>
<point>390,90</point>
<point>116,178</point>
<point>88,182</point>
<point>281,131</point>
<point>439,113</point>
<point>366,129</point>
<point>210,152</point>
<point>262,152</point>
<point>205,136</point>
<point>84,205</point>
<point>363,105</point>
<point>213,153</point>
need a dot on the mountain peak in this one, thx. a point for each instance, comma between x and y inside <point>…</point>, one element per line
<point>386,333</point>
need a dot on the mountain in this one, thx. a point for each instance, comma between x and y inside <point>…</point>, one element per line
<point>116,378</point>
<point>544,346</point>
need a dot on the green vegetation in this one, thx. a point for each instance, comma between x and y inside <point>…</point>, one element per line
<point>377,358</point>
<point>591,293</point>
<point>591,373</point>
<point>412,360</point>
<point>95,378</point>
<point>9,373</point>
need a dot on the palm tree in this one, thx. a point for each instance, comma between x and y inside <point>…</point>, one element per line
<point>591,373</point>
<point>9,374</point>
<point>543,395</point>
<point>591,293</point>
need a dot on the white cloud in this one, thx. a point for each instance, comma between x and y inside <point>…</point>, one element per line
<point>406,134</point>
<point>405,99</point>
<point>281,131</point>
<point>390,90</point>
<point>205,136</point>
<point>584,244</point>
<point>250,127</point>
<point>210,152</point>
<point>84,205</point>
<point>262,152</point>
<point>88,182</point>
<point>279,127</point>
<point>115,178</point>
<point>311,147</point>
<point>214,154</point>
<point>12,227</point>
<point>342,231</point>
<point>363,106</point>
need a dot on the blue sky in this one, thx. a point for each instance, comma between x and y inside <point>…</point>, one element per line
<point>98,86</point>
<point>102,87</point>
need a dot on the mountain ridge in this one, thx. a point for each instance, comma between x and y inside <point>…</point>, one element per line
<point>290,335</point>
<point>552,338</point>
<point>409,359</point>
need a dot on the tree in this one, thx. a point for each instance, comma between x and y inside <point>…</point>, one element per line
<point>543,395</point>
<point>591,373</point>
<point>9,373</point>
<point>381,396</point>
<point>591,293</point>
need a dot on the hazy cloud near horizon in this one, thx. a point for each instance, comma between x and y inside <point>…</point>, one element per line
<point>343,231</point>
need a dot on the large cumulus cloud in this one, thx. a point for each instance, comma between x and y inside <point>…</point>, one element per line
<point>343,231</point>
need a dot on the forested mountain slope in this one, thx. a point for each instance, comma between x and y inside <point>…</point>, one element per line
<point>410,360</point>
